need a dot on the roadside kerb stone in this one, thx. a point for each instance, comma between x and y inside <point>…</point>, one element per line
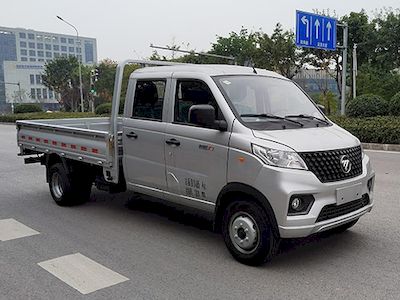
<point>384,147</point>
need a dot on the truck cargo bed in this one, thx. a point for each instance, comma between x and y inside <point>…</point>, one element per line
<point>85,139</point>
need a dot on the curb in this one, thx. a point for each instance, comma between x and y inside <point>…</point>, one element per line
<point>382,147</point>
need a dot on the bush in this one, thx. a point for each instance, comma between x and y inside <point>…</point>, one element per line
<point>104,109</point>
<point>367,106</point>
<point>383,130</point>
<point>394,105</point>
<point>27,108</point>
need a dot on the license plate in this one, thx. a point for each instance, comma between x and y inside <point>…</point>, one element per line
<point>348,193</point>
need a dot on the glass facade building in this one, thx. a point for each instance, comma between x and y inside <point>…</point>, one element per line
<point>26,45</point>
<point>8,51</point>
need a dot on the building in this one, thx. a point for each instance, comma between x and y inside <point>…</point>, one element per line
<point>316,81</point>
<point>24,84</point>
<point>23,54</point>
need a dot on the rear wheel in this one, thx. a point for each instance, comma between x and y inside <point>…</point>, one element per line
<point>68,189</point>
<point>248,233</point>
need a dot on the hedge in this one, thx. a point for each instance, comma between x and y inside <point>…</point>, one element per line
<point>368,105</point>
<point>394,105</point>
<point>27,108</point>
<point>383,130</point>
<point>105,108</point>
<point>11,118</point>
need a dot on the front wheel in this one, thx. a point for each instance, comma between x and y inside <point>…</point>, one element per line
<point>68,190</point>
<point>248,233</point>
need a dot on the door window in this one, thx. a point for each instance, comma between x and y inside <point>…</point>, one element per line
<point>189,93</point>
<point>148,101</point>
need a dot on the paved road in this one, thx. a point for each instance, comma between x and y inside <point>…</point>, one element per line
<point>168,254</point>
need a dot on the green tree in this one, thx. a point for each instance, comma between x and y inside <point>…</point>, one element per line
<point>388,41</point>
<point>62,76</point>
<point>105,83</point>
<point>276,52</point>
<point>327,100</point>
<point>362,32</point>
<point>286,58</point>
<point>371,80</point>
<point>106,80</point>
<point>327,62</point>
<point>156,56</point>
<point>242,46</point>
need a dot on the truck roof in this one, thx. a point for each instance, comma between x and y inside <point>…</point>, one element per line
<point>211,70</point>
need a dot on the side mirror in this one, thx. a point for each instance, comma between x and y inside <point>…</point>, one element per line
<point>204,115</point>
<point>321,108</point>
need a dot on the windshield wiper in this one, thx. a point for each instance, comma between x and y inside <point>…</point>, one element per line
<point>272,117</point>
<point>308,117</point>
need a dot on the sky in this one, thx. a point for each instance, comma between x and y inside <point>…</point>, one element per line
<point>125,29</point>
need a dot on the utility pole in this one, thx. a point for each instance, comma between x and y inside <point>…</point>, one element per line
<point>354,71</point>
<point>91,89</point>
<point>94,77</point>
<point>344,66</point>
<point>79,61</point>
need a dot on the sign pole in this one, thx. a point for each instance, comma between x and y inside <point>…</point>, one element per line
<point>344,66</point>
<point>354,71</point>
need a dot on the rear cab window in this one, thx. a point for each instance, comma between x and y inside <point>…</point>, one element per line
<point>149,99</point>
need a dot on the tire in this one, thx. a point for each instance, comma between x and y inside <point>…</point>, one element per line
<point>68,190</point>
<point>248,233</point>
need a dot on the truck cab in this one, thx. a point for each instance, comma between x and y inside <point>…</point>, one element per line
<point>247,145</point>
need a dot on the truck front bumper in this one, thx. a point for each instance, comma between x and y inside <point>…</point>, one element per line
<point>284,183</point>
<point>305,230</point>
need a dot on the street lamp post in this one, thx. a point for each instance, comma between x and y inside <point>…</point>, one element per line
<point>79,61</point>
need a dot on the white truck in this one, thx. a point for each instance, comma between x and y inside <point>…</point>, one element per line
<point>245,144</point>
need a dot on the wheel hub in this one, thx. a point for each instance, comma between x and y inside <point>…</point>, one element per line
<point>56,185</point>
<point>244,232</point>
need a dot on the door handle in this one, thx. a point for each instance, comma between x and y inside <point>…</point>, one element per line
<point>132,135</point>
<point>173,142</point>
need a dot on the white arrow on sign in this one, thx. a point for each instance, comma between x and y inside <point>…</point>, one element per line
<point>305,22</point>
<point>317,24</point>
<point>329,27</point>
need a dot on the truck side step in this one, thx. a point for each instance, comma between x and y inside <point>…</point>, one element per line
<point>112,188</point>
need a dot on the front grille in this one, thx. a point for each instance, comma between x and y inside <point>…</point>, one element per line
<point>327,167</point>
<point>332,210</point>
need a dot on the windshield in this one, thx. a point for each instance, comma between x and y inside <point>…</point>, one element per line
<point>252,96</point>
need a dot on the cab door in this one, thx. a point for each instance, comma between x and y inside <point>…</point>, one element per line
<point>196,157</point>
<point>144,137</point>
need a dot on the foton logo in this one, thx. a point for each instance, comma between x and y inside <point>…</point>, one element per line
<point>345,164</point>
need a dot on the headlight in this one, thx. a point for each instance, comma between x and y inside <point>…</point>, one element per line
<point>279,158</point>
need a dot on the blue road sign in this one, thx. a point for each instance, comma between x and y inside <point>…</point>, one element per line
<point>315,31</point>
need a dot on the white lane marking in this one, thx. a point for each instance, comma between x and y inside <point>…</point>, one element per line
<point>11,229</point>
<point>382,151</point>
<point>82,273</point>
